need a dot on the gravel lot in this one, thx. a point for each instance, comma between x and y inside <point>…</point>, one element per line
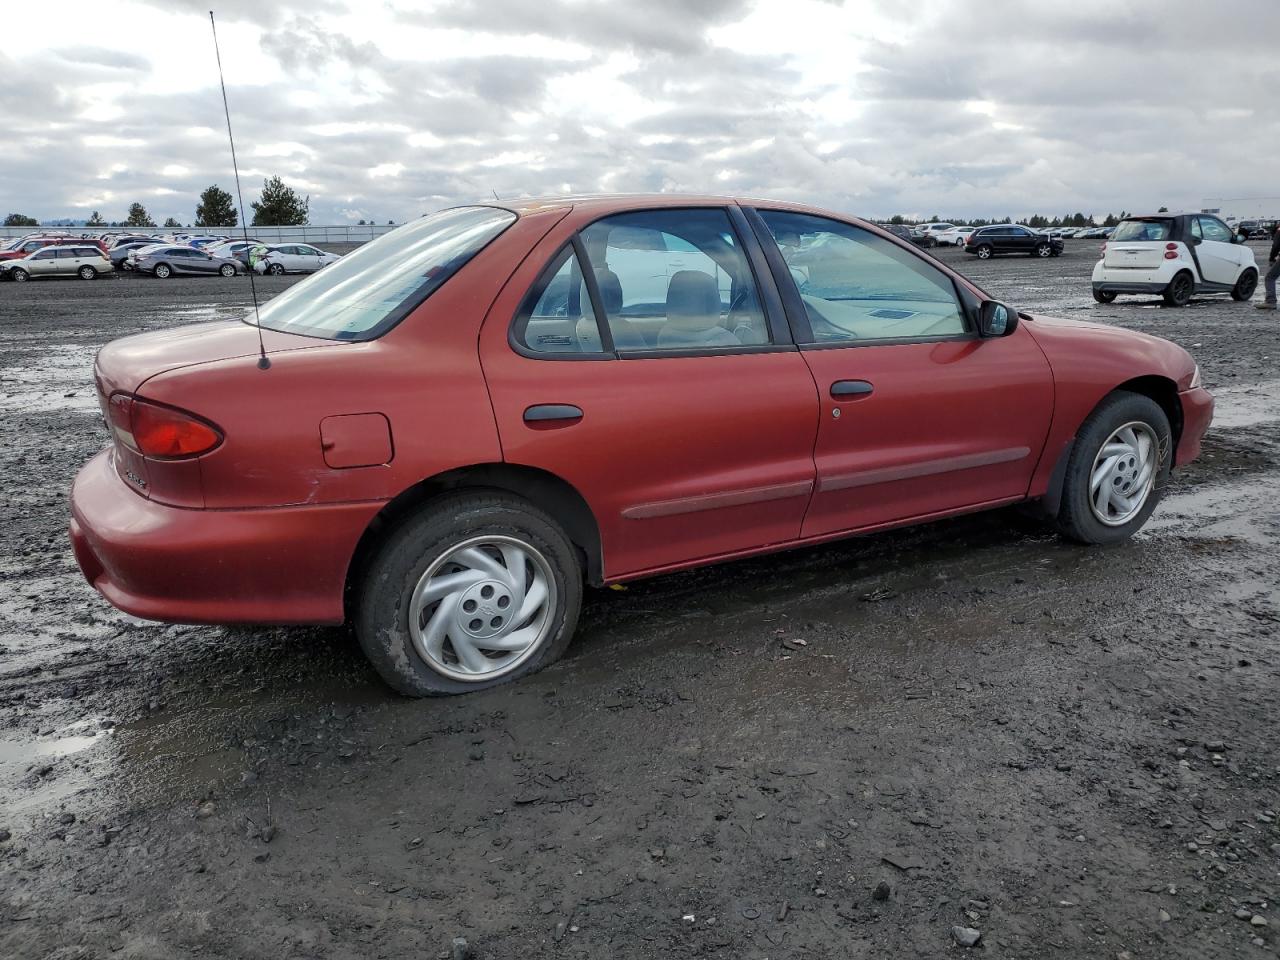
<point>838,752</point>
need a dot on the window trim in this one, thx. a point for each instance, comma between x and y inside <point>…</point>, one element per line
<point>771,302</point>
<point>798,316</point>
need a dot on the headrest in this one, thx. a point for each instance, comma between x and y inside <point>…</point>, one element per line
<point>610,290</point>
<point>693,300</point>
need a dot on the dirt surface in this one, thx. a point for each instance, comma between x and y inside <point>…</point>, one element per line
<point>837,752</point>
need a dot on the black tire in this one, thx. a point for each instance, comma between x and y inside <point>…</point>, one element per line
<point>227,270</point>
<point>984,251</point>
<point>1180,289</point>
<point>1076,519</point>
<point>162,271</point>
<point>86,272</point>
<point>1042,250</point>
<point>381,618</point>
<point>275,269</point>
<point>1104,296</point>
<point>1246,285</point>
<point>18,275</point>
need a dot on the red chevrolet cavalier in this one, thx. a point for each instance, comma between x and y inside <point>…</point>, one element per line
<point>466,419</point>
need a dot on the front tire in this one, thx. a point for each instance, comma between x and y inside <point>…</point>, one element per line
<point>1178,292</point>
<point>163,271</point>
<point>475,590</point>
<point>276,269</point>
<point>1043,250</point>
<point>1246,285</point>
<point>227,270</point>
<point>18,275</point>
<point>1117,470</point>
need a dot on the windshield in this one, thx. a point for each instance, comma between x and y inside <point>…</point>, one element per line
<point>373,288</point>
<point>1143,230</point>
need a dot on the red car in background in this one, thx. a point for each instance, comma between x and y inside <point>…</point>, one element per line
<point>455,426</point>
<point>30,245</point>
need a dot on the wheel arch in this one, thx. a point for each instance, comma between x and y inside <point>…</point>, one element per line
<point>547,491</point>
<point>1160,389</point>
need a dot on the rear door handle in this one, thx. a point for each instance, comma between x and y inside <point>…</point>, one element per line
<point>542,412</point>
<point>851,388</point>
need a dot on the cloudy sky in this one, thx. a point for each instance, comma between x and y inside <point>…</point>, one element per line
<point>383,110</point>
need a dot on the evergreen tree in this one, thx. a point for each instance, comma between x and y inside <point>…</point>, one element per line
<point>170,222</point>
<point>279,206</point>
<point>95,220</point>
<point>138,216</point>
<point>216,209</point>
<point>20,220</point>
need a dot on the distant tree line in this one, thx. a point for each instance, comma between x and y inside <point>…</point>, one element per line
<point>1037,221</point>
<point>278,205</point>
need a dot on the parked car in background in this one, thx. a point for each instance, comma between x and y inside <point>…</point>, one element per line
<point>986,242</point>
<point>84,260</point>
<point>294,258</point>
<point>1175,256</point>
<point>30,245</point>
<point>956,236</point>
<point>164,260</point>
<point>122,239</point>
<point>449,483</point>
<point>119,254</point>
<point>236,249</point>
<point>933,230</point>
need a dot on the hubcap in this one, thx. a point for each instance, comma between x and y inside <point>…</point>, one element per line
<point>1124,473</point>
<point>482,608</point>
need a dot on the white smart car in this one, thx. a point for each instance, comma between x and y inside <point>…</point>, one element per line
<point>294,258</point>
<point>1175,255</point>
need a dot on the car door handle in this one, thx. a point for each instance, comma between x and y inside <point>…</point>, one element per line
<point>543,412</point>
<point>850,388</point>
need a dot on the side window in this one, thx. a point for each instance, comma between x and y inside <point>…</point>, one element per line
<point>557,317</point>
<point>675,280</point>
<point>1214,230</point>
<point>857,286</point>
<point>1195,228</point>
<point>45,254</point>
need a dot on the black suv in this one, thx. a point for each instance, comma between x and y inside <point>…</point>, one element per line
<point>986,242</point>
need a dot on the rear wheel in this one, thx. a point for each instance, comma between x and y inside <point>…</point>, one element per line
<point>476,590</point>
<point>86,273</point>
<point>1246,285</point>
<point>1178,292</point>
<point>19,275</point>
<point>984,252</point>
<point>163,271</point>
<point>1104,296</point>
<point>1117,470</point>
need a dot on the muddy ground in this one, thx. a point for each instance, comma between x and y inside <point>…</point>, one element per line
<point>1071,750</point>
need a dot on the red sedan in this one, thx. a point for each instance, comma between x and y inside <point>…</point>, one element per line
<point>460,423</point>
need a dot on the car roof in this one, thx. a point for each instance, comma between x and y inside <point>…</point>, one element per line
<point>605,204</point>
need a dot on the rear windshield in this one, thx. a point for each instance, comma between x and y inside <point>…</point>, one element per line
<point>370,290</point>
<point>1143,230</point>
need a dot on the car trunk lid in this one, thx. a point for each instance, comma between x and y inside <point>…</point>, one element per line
<point>1133,254</point>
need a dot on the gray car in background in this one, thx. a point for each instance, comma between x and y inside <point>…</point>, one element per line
<point>165,260</point>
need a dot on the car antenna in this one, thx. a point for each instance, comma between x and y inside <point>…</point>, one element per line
<point>263,362</point>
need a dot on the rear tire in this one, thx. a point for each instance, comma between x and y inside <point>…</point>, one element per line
<point>163,271</point>
<point>86,273</point>
<point>1246,285</point>
<point>1091,472</point>
<point>1178,292</point>
<point>984,252</point>
<point>454,526</point>
<point>1104,296</point>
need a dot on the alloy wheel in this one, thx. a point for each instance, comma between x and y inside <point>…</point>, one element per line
<point>1124,473</point>
<point>482,608</point>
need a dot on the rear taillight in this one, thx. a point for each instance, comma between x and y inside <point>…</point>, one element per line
<point>1171,254</point>
<point>1171,246</point>
<point>164,433</point>
<point>1102,251</point>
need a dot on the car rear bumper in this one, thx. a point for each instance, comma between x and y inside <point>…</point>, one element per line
<point>1116,286</point>
<point>274,565</point>
<point>1197,414</point>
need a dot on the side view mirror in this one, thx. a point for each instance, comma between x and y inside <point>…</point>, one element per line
<point>996,320</point>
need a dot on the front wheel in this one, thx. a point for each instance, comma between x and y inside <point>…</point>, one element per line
<point>1104,296</point>
<point>18,275</point>
<point>984,252</point>
<point>1245,286</point>
<point>163,271</point>
<point>1178,292</point>
<point>1043,250</point>
<point>476,590</point>
<point>227,270</point>
<point>86,273</point>
<point>275,269</point>
<point>1117,470</point>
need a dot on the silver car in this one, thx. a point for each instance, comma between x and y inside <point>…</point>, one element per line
<point>64,260</point>
<point>164,260</point>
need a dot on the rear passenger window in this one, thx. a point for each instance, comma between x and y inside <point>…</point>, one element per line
<point>557,317</point>
<point>675,280</point>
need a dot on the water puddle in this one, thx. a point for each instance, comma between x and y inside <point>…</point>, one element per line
<point>1247,405</point>
<point>50,766</point>
<point>58,378</point>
